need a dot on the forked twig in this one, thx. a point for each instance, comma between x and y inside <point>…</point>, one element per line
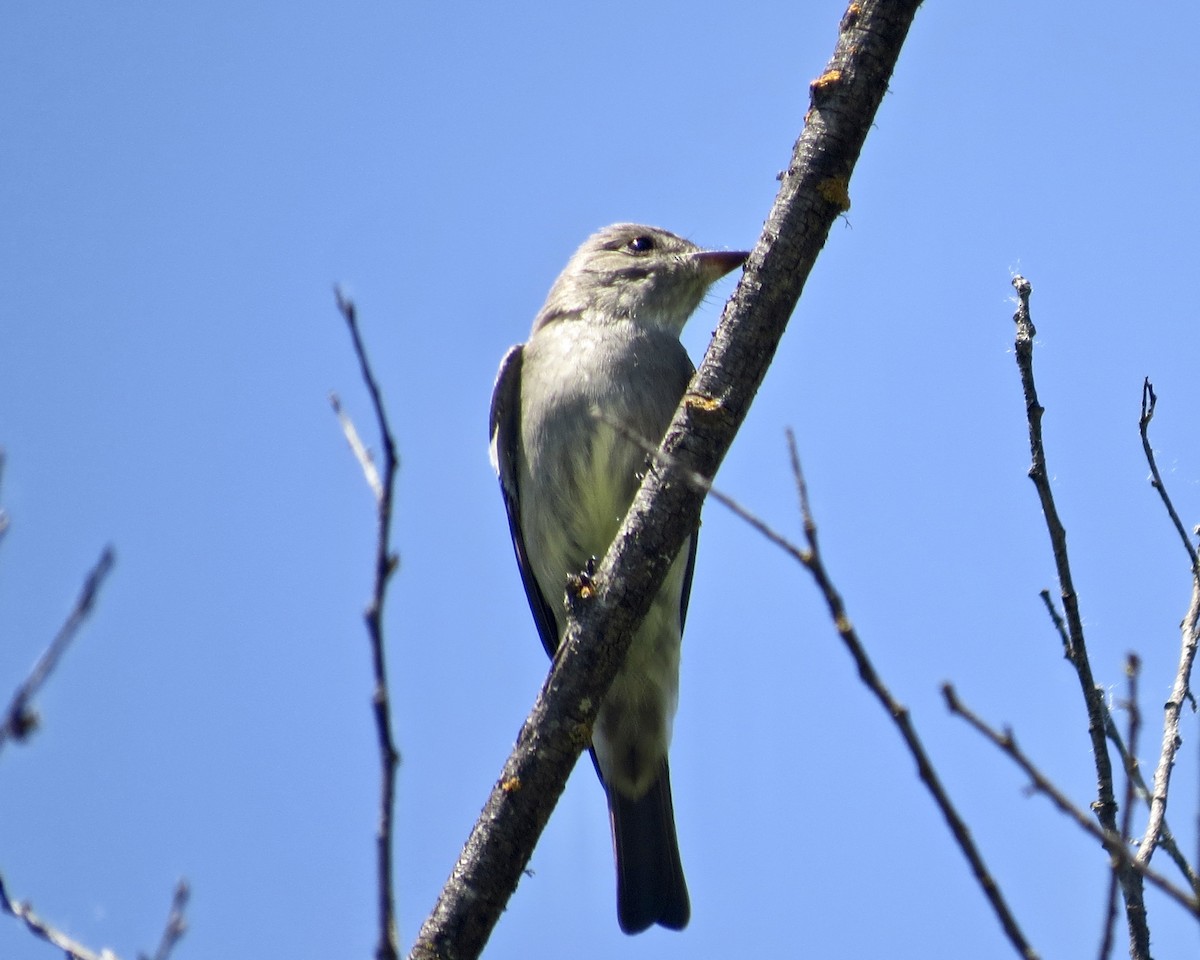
<point>1042,784</point>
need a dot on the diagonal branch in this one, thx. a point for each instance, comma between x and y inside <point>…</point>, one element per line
<point>607,607</point>
<point>173,932</point>
<point>812,561</point>
<point>45,931</point>
<point>383,486</point>
<point>176,925</point>
<point>1042,784</point>
<point>20,718</point>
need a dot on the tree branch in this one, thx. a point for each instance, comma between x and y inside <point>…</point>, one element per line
<point>74,950</point>
<point>1042,784</point>
<point>607,607</point>
<point>383,487</point>
<point>1166,840</point>
<point>811,560</point>
<point>20,719</point>
<point>1180,689</point>
<point>3,512</point>
<point>1105,805</point>
<point>176,925</point>
<point>1132,668</point>
<point>44,931</point>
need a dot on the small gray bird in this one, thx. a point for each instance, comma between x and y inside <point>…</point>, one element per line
<point>607,342</point>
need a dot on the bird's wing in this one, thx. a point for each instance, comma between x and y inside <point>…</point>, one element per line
<point>687,579</point>
<point>505,440</point>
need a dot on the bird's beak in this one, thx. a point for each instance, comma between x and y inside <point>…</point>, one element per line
<point>717,263</point>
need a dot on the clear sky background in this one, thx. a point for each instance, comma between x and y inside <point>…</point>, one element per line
<point>180,187</point>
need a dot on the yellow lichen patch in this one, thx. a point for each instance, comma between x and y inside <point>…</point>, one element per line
<point>825,81</point>
<point>707,404</point>
<point>834,190</point>
<point>511,785</point>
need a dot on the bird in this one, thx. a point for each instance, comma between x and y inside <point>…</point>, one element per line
<point>605,347</point>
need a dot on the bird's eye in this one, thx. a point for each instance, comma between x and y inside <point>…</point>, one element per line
<point>641,244</point>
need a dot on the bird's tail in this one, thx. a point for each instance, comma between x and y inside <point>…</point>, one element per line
<point>650,884</point>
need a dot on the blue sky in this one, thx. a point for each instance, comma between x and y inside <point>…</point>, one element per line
<point>183,184</point>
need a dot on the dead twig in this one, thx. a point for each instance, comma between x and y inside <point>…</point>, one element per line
<point>1105,806</point>
<point>1181,687</point>
<point>382,484</point>
<point>1132,668</point>
<point>176,925</point>
<point>1042,784</point>
<point>20,719</point>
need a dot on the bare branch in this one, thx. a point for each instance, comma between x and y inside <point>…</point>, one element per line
<point>901,718</point>
<point>1166,839</point>
<point>20,719</point>
<point>176,925</point>
<point>44,931</point>
<point>1132,668</point>
<point>607,609</point>
<point>172,933</point>
<point>1149,402</point>
<point>383,486</point>
<point>1181,688</point>
<point>702,483</point>
<point>1105,806</point>
<point>358,448</point>
<point>3,514</point>
<point>1042,784</point>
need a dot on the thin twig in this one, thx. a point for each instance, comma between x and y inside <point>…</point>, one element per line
<point>1105,806</point>
<point>363,455</point>
<point>900,717</point>
<point>701,482</point>
<point>1181,688</point>
<point>44,931</point>
<point>1042,784</point>
<point>1166,840</point>
<point>1132,668</point>
<point>3,513</point>
<point>383,487</point>
<point>176,925</point>
<point>1149,402</point>
<point>20,719</point>
<point>173,932</point>
<point>1059,624</point>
